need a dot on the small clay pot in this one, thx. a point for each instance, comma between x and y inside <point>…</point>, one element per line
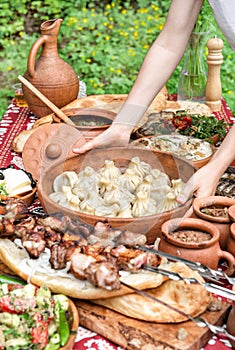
<point>231,240</point>
<point>222,223</point>
<point>207,252</point>
<point>231,325</point>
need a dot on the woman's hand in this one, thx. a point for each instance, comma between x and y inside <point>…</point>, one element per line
<point>116,135</point>
<point>202,184</point>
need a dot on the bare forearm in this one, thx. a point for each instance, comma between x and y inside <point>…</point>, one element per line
<point>162,58</point>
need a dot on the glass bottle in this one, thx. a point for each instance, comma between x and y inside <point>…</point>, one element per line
<point>193,75</point>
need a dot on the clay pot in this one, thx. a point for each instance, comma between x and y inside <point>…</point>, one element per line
<point>231,325</point>
<point>207,252</point>
<point>222,223</point>
<point>51,75</point>
<point>174,167</point>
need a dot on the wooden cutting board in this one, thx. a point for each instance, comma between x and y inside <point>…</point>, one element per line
<point>133,334</point>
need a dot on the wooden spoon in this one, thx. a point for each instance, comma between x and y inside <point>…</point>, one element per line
<point>44,99</point>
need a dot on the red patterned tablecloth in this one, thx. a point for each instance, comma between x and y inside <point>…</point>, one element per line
<point>17,119</point>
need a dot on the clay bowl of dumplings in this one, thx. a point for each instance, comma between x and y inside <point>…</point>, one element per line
<point>150,225</point>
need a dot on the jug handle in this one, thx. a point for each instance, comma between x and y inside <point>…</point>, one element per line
<point>230,260</point>
<point>33,53</point>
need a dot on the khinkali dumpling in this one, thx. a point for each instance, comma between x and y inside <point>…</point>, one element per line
<point>72,199</point>
<point>160,185</point>
<point>143,205</point>
<point>87,172</point>
<point>168,203</point>
<point>130,180</point>
<point>178,186</point>
<point>141,168</point>
<point>158,193</point>
<point>87,181</point>
<point>159,178</point>
<point>125,211</point>
<point>89,204</point>
<point>107,210</point>
<point>58,197</point>
<point>67,178</point>
<point>109,170</point>
<point>145,185</point>
<point>106,184</point>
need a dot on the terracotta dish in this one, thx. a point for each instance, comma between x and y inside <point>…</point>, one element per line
<point>29,197</point>
<point>90,121</point>
<point>174,167</point>
<point>48,144</point>
<point>198,152</point>
<point>73,315</point>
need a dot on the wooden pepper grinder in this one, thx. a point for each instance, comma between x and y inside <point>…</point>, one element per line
<point>213,85</point>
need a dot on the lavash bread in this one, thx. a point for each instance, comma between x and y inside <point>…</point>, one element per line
<point>192,299</point>
<point>17,259</point>
<point>191,107</point>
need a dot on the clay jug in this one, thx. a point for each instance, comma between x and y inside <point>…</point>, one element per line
<point>207,251</point>
<point>51,75</point>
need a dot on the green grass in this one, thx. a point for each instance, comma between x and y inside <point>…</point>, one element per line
<point>104,42</point>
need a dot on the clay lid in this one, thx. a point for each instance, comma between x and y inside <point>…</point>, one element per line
<point>49,144</point>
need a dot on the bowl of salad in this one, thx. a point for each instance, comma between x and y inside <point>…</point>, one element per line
<point>32,317</point>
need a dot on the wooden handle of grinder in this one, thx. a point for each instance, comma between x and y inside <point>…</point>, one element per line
<point>213,85</point>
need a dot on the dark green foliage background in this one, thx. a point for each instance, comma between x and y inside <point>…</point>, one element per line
<point>105,42</point>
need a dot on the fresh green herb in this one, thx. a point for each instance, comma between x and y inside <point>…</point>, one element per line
<point>204,127</point>
<point>63,327</point>
<point>3,190</point>
<point>11,280</point>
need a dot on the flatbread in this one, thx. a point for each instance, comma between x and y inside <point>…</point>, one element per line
<point>39,273</point>
<point>192,299</point>
<point>191,107</point>
<point>114,103</point>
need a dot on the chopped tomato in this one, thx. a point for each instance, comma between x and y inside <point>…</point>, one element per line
<point>12,287</point>
<point>182,122</point>
<point>40,334</point>
<point>16,305</point>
